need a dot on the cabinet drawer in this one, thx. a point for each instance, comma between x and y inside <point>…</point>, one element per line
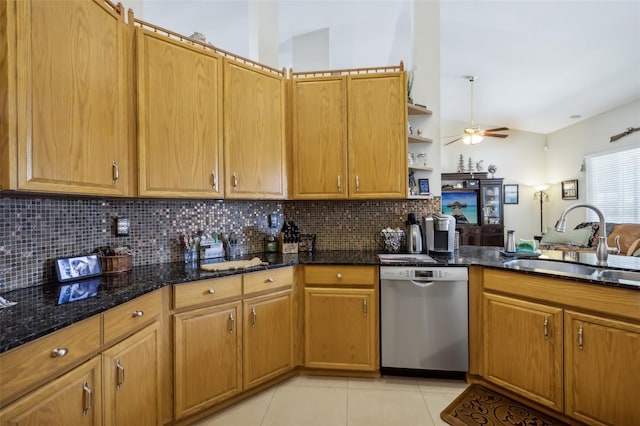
<point>36,362</point>
<point>340,275</point>
<point>127,318</point>
<point>206,291</point>
<point>255,282</point>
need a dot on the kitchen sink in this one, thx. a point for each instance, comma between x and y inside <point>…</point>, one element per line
<point>619,275</point>
<point>405,258</point>
<point>549,266</point>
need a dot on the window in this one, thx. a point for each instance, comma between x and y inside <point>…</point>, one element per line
<point>613,185</point>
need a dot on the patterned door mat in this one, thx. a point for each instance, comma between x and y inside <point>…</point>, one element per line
<point>478,405</point>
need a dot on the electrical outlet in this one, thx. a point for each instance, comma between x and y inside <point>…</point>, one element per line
<point>122,227</point>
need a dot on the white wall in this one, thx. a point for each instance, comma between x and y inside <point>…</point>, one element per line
<point>520,159</point>
<point>568,146</point>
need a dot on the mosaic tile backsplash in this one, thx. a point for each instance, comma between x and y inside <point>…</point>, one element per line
<point>36,230</point>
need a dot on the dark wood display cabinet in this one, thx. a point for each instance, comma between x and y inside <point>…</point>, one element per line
<point>476,201</point>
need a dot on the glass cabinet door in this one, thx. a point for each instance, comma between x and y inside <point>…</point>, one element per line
<point>491,203</point>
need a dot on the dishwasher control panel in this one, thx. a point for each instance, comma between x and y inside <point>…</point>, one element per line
<point>423,273</point>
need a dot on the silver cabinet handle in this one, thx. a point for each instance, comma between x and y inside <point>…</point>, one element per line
<point>137,314</point>
<point>120,370</point>
<point>339,275</point>
<point>235,181</point>
<point>339,183</point>
<point>580,338</point>
<point>270,280</point>
<point>254,317</point>
<point>212,291</point>
<point>232,322</point>
<point>115,172</point>
<point>59,352</point>
<point>546,328</point>
<point>215,180</point>
<point>365,307</point>
<point>357,183</point>
<point>87,398</point>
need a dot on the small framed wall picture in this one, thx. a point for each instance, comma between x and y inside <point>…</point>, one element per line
<point>511,194</point>
<point>78,267</point>
<point>423,187</point>
<point>570,189</point>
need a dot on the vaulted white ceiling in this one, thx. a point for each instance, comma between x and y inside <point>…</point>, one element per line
<point>538,62</point>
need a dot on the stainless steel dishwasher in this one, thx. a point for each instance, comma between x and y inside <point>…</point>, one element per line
<point>424,321</point>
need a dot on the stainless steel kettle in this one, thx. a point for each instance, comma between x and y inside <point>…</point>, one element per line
<point>413,235</point>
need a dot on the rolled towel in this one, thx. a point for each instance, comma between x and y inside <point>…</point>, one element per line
<point>526,246</point>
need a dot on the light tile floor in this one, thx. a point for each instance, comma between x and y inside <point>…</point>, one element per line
<point>333,401</point>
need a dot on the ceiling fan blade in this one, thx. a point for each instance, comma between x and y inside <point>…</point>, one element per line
<point>455,140</point>
<point>497,129</point>
<point>495,135</point>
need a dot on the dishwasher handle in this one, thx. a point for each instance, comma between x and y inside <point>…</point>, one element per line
<point>421,283</point>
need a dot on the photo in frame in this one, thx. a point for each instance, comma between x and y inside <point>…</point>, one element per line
<point>570,189</point>
<point>510,194</point>
<point>78,267</point>
<point>423,187</point>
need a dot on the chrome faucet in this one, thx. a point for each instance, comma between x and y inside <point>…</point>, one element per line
<point>602,251</point>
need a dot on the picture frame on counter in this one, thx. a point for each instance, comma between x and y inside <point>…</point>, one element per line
<point>78,267</point>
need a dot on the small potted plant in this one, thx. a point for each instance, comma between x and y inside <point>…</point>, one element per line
<point>409,86</point>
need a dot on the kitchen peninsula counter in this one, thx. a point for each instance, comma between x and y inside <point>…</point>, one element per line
<point>37,312</point>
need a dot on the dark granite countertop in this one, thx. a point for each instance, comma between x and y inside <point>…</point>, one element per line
<point>38,313</point>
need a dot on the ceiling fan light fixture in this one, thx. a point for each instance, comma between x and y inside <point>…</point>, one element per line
<point>472,139</point>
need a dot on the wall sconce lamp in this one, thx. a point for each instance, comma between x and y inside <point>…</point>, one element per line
<point>541,195</point>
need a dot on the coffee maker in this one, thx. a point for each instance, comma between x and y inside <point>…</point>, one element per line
<point>439,233</point>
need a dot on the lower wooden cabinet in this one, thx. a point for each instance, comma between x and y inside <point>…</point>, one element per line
<point>523,348</point>
<point>208,357</point>
<point>602,370</point>
<point>268,337</point>
<point>73,399</point>
<point>570,346</point>
<point>340,328</point>
<point>341,317</point>
<point>132,380</point>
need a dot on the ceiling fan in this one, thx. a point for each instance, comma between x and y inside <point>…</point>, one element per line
<point>473,134</point>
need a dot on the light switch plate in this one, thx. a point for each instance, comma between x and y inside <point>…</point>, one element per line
<point>122,227</point>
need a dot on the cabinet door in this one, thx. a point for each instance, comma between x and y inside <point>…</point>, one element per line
<point>491,203</point>
<point>268,337</point>
<point>132,377</point>
<point>602,371</point>
<point>523,348</point>
<point>70,97</point>
<point>73,399</point>
<point>340,329</point>
<point>208,357</point>
<point>180,118</point>
<point>319,140</point>
<point>377,135</point>
<point>254,132</point>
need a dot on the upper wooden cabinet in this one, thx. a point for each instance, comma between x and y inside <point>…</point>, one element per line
<point>319,129</point>
<point>377,135</point>
<point>349,135</point>
<point>65,77</point>
<point>179,118</point>
<point>254,132</point>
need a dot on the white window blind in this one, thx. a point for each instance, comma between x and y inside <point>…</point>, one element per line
<point>613,185</point>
